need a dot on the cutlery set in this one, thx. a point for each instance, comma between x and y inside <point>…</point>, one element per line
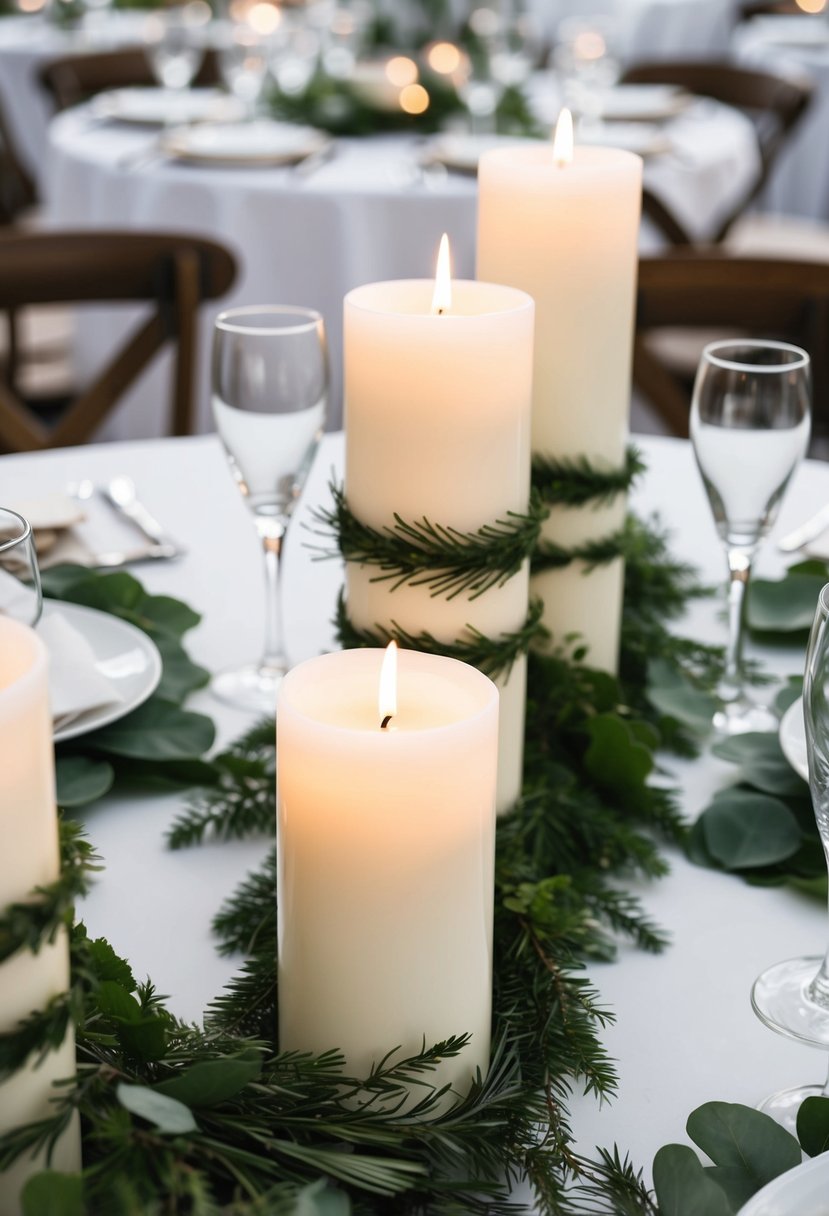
<point>119,493</point>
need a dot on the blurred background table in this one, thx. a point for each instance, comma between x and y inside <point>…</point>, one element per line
<point>371,212</point>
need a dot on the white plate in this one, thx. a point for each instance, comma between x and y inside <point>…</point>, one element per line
<point>123,654</point>
<point>250,143</point>
<point>793,743</point>
<point>803,1191</point>
<point>151,107</point>
<point>462,152</point>
<point>645,139</point>
<point>643,102</point>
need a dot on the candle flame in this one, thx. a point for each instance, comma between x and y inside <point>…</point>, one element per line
<point>442,298</point>
<point>563,139</point>
<point>387,698</point>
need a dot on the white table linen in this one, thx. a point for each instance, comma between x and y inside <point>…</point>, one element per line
<point>650,29</point>
<point>367,214</point>
<point>685,1031</point>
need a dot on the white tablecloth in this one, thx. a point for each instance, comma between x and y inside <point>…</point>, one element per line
<point>26,44</point>
<point>799,184</point>
<point>650,29</point>
<point>367,214</point>
<point>685,1031</point>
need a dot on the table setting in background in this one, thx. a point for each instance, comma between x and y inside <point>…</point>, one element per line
<point>493,922</point>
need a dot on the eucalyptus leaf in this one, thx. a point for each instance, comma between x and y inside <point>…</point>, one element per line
<point>743,830</point>
<point>213,1081</point>
<point>157,730</point>
<point>167,616</point>
<point>615,757</point>
<point>180,675</point>
<point>81,780</point>
<point>683,1188</point>
<point>119,593</point>
<point>58,581</point>
<point>740,1137</point>
<point>813,1125</point>
<point>145,1039</point>
<point>676,697</point>
<point>696,849</point>
<point>762,762</point>
<point>116,1002</point>
<point>783,606</point>
<point>168,1115</point>
<point>738,1185</point>
<point>52,1194</point>
<point>791,690</point>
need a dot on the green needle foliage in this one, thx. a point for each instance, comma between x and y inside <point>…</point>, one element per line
<point>573,483</point>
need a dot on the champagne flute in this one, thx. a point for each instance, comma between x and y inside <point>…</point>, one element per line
<point>793,997</point>
<point>20,593</point>
<point>749,427</point>
<point>270,386</point>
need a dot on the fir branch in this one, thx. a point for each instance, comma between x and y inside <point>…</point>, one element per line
<point>242,802</point>
<point>550,556</point>
<point>41,1032</point>
<point>30,924</point>
<point>575,482</point>
<point>493,656</point>
<point>421,553</point>
<point>246,920</point>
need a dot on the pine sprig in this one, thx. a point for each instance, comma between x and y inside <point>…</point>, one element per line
<point>246,920</point>
<point>31,924</point>
<point>493,656</point>
<point>550,556</point>
<point>422,553</point>
<point>575,482</point>
<point>241,803</point>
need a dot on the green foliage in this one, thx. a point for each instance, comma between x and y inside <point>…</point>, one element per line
<point>813,1125</point>
<point>787,605</point>
<point>421,553</point>
<point>747,1148</point>
<point>82,779</point>
<point>575,482</point>
<point>53,1194</point>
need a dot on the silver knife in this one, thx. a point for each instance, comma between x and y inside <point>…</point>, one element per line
<point>810,530</point>
<point>100,561</point>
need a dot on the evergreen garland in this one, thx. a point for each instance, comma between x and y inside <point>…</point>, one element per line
<point>575,482</point>
<point>191,1122</point>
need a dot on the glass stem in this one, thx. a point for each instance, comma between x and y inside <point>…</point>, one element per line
<point>272,533</point>
<point>818,990</point>
<point>739,567</point>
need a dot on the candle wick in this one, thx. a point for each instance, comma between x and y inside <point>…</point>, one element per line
<point>384,724</point>
<point>440,312</point>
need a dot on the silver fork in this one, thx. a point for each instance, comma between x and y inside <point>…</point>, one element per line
<point>120,494</point>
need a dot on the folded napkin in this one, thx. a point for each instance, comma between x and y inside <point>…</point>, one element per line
<point>53,518</point>
<point>76,686</point>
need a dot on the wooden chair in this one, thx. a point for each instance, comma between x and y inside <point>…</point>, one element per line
<point>172,274</point>
<point>750,297</point>
<point>774,103</point>
<point>75,78</point>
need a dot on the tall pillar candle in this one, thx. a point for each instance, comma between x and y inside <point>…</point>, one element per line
<point>29,859</point>
<point>567,234</point>
<point>437,411</point>
<point>386,856</point>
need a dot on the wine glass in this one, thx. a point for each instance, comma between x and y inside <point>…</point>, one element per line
<point>20,593</point>
<point>270,386</point>
<point>243,66</point>
<point>749,427</point>
<point>173,43</point>
<point>793,997</point>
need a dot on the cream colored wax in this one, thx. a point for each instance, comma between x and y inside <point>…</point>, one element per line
<point>29,858</point>
<point>567,234</point>
<point>437,425</point>
<point>386,854</point>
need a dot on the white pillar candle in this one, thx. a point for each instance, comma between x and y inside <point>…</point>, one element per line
<point>437,411</point>
<point>567,234</point>
<point>386,854</point>
<point>28,824</point>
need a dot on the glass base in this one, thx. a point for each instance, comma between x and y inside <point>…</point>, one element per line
<point>784,1105</point>
<point>781,1000</point>
<point>252,687</point>
<point>739,717</point>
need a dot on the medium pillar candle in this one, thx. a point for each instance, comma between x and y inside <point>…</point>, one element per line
<point>29,859</point>
<point>386,856</point>
<point>567,234</point>
<point>437,426</point>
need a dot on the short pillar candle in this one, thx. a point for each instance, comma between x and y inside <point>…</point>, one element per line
<point>30,858</point>
<point>386,841</point>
